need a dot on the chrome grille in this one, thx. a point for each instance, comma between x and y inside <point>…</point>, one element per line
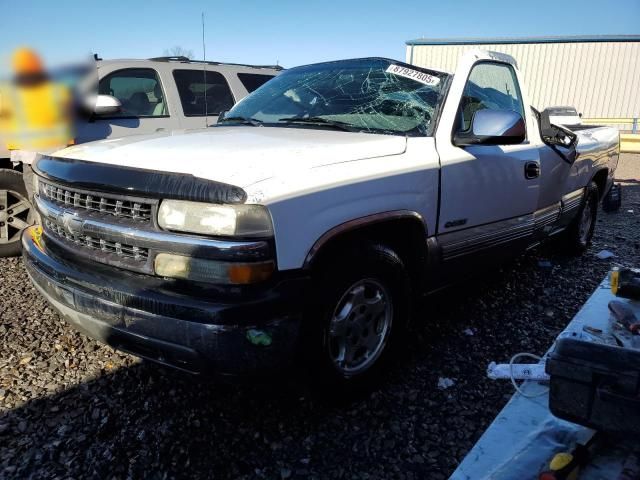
<point>97,202</point>
<point>116,248</point>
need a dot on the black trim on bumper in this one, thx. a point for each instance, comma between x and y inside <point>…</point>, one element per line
<point>136,181</point>
<point>195,328</point>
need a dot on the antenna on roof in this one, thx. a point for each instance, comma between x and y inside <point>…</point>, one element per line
<point>204,74</point>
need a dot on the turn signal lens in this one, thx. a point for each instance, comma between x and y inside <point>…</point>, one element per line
<point>212,271</point>
<point>245,273</point>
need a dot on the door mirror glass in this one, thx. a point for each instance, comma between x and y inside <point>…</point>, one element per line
<point>104,105</point>
<point>493,127</point>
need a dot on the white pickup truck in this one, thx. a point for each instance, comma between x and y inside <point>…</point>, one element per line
<point>304,223</point>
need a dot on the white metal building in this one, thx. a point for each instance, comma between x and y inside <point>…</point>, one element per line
<point>599,75</point>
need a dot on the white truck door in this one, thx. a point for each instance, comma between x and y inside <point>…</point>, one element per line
<point>145,108</point>
<point>488,192</point>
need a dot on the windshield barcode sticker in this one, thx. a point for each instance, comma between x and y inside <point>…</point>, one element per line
<point>413,74</point>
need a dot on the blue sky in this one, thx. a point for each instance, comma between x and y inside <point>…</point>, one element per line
<point>291,32</point>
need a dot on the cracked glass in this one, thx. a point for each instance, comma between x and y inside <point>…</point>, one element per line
<point>372,95</point>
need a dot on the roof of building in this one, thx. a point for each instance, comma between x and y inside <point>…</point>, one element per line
<point>512,40</point>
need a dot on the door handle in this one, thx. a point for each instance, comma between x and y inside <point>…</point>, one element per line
<point>531,170</point>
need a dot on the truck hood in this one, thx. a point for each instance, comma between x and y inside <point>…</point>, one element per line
<point>238,155</point>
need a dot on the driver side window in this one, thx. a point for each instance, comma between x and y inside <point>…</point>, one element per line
<point>492,86</point>
<point>139,91</point>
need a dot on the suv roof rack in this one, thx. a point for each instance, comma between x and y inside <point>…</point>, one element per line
<point>179,58</point>
<point>183,59</point>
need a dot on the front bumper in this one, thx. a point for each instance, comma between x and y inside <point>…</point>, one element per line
<point>196,328</point>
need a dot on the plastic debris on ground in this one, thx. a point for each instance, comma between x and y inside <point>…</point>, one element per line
<point>444,383</point>
<point>605,254</point>
<point>469,332</point>
<point>259,337</point>
<point>544,264</point>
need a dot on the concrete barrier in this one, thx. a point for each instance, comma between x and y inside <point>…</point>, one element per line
<point>630,142</point>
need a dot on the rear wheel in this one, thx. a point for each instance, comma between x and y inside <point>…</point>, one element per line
<point>16,212</point>
<point>580,231</point>
<point>362,307</point>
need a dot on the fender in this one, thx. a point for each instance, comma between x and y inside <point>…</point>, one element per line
<point>603,180</point>
<point>359,223</point>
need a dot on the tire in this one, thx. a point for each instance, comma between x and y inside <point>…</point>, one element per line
<point>361,310</point>
<point>580,230</point>
<point>16,212</point>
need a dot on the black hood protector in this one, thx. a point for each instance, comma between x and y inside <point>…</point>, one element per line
<point>107,178</point>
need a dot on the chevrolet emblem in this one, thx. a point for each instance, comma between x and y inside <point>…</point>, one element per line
<point>72,224</point>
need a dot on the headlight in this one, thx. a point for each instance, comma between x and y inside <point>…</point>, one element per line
<point>212,219</point>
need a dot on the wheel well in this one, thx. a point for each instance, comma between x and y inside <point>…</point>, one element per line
<point>600,178</point>
<point>405,236</point>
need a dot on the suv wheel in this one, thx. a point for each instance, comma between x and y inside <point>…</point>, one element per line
<point>362,307</point>
<point>16,212</point>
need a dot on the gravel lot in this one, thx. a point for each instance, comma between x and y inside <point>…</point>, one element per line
<point>72,408</point>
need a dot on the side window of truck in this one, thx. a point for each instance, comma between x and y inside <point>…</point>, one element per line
<point>490,85</point>
<point>203,93</point>
<point>138,89</point>
<point>253,81</point>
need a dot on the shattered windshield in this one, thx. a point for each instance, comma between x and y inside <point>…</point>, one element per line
<point>366,95</point>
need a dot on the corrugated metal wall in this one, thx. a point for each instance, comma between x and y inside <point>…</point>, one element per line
<point>601,79</point>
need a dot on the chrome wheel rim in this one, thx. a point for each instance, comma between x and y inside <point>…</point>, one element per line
<point>360,327</point>
<point>15,216</point>
<point>585,221</point>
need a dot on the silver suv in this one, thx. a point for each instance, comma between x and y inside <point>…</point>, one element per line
<point>168,93</point>
<point>136,97</point>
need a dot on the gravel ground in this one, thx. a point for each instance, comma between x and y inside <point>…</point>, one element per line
<point>72,408</point>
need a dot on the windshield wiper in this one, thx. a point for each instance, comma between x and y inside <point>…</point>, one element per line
<point>243,120</point>
<point>319,121</point>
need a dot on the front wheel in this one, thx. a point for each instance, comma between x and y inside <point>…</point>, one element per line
<point>362,305</point>
<point>16,212</point>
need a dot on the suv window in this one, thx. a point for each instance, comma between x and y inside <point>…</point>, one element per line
<point>139,91</point>
<point>203,93</point>
<point>493,86</point>
<point>253,81</point>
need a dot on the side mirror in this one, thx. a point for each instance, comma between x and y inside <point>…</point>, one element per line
<point>493,127</point>
<point>562,140</point>
<point>555,134</point>
<point>105,105</point>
